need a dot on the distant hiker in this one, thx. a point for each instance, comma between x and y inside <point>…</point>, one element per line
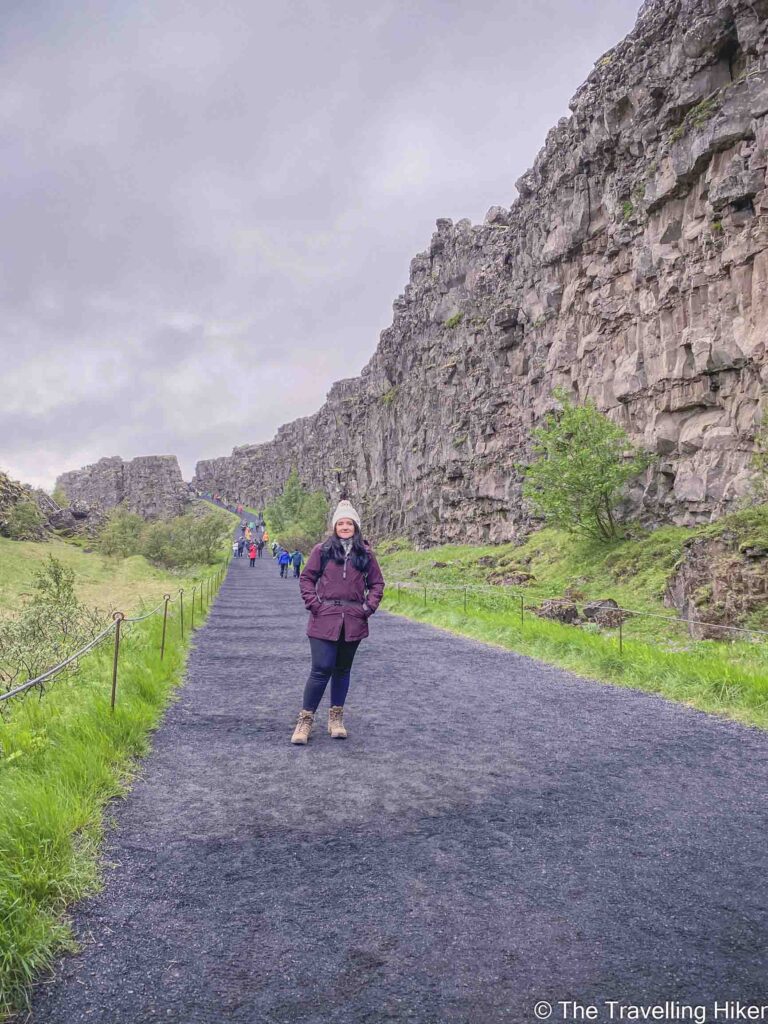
<point>252,553</point>
<point>297,558</point>
<point>260,547</point>
<point>248,534</point>
<point>234,549</point>
<point>240,546</point>
<point>341,587</point>
<point>284,560</point>
<point>274,549</point>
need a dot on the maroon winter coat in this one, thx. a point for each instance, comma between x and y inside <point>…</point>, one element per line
<point>323,596</point>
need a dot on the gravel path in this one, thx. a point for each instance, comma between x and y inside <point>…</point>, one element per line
<point>494,832</point>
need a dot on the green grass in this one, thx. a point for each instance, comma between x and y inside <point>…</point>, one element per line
<point>102,582</point>
<point>659,654</point>
<point>62,758</point>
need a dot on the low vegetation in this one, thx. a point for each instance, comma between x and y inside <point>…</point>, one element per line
<point>192,539</point>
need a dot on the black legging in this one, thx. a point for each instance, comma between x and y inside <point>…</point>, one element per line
<point>331,659</point>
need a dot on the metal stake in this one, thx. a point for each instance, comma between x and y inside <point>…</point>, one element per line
<point>166,599</point>
<point>465,600</point>
<point>118,617</point>
<point>181,603</point>
<point>192,626</point>
<point>425,595</point>
<point>621,644</point>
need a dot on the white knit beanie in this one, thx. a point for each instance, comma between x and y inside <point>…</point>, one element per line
<point>344,510</point>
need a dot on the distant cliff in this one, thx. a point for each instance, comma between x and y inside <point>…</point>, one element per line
<point>632,269</point>
<point>150,485</point>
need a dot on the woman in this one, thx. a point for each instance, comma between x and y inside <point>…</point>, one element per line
<point>252,554</point>
<point>341,587</point>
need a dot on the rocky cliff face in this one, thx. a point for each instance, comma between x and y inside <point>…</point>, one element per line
<point>150,485</point>
<point>632,269</point>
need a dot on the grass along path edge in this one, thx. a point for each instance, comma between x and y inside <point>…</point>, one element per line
<point>729,681</point>
<point>63,757</point>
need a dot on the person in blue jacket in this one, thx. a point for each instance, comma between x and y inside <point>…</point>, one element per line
<point>297,558</point>
<point>284,560</point>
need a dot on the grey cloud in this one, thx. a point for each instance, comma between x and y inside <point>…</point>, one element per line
<point>201,201</point>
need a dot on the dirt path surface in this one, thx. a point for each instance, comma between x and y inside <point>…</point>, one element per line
<point>493,833</point>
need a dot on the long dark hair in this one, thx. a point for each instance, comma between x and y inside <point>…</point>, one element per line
<point>333,550</point>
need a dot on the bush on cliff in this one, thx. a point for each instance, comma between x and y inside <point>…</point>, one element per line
<point>25,521</point>
<point>583,462</point>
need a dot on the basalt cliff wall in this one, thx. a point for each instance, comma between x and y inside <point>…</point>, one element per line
<point>632,269</point>
<point>150,485</point>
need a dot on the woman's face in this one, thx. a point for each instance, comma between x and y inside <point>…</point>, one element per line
<point>345,528</point>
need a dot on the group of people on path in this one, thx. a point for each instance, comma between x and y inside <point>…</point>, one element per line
<point>253,547</point>
<point>247,541</point>
<point>286,559</point>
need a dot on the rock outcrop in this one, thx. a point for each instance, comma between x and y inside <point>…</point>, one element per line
<point>150,485</point>
<point>11,492</point>
<point>632,269</point>
<point>719,582</point>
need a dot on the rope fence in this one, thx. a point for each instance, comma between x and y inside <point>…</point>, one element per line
<point>207,587</point>
<point>517,595</point>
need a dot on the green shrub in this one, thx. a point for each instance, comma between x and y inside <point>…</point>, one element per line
<point>173,543</point>
<point>582,462</point>
<point>123,534</point>
<point>454,321</point>
<point>25,521</point>
<point>186,540</point>
<point>51,625</point>
<point>297,516</point>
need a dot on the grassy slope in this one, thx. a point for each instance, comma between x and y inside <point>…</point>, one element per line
<point>730,679</point>
<point>101,582</point>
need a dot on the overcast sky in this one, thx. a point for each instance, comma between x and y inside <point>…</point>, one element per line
<point>208,208</point>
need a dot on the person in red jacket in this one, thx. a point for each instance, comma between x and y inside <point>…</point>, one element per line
<point>252,553</point>
<point>341,586</point>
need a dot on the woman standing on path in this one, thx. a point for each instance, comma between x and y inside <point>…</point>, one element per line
<point>252,553</point>
<point>341,587</point>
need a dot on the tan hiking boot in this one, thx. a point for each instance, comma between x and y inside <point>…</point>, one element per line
<point>336,723</point>
<point>303,727</point>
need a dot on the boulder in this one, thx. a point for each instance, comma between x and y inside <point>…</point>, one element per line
<point>560,610</point>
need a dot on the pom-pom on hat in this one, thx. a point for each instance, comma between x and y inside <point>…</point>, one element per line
<point>344,510</point>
